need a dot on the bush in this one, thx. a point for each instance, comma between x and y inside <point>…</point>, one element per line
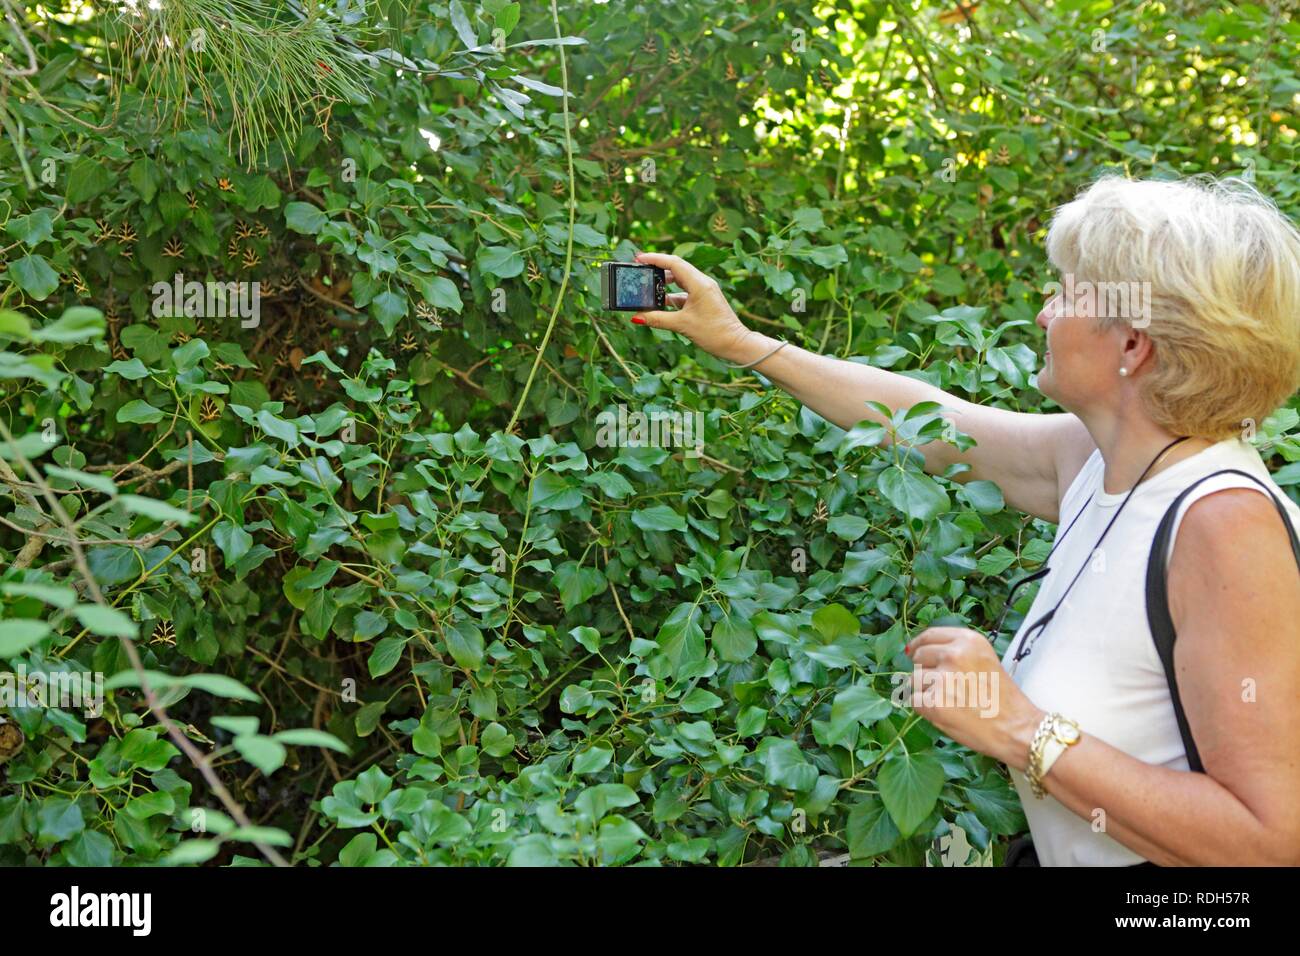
<point>369,585</point>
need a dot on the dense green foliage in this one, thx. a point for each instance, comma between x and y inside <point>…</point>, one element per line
<point>396,597</point>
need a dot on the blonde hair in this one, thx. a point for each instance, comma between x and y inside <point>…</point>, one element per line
<point>1220,266</point>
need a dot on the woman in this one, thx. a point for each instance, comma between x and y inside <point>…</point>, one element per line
<point>1157,400</point>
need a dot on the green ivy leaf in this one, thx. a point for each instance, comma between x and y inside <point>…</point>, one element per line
<point>870,830</point>
<point>658,518</point>
<point>33,275</point>
<point>386,655</point>
<point>504,262</point>
<point>733,638</point>
<point>139,412</point>
<point>910,784</point>
<point>105,620</point>
<point>577,585</point>
<point>917,496</point>
<point>58,819</point>
<point>304,218</point>
<point>853,706</point>
<point>785,765</point>
<point>465,644</point>
<point>18,634</point>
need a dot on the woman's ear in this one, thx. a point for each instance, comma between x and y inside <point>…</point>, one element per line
<point>1137,348</point>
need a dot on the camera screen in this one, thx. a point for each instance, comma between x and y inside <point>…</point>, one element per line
<point>634,288</point>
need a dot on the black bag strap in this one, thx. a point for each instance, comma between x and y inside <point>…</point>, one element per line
<point>1158,617</point>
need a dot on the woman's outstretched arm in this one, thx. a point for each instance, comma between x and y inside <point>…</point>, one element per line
<point>1032,457</point>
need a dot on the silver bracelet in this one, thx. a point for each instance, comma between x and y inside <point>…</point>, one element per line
<point>763,358</point>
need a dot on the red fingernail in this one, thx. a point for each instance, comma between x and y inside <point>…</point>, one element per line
<point>637,320</point>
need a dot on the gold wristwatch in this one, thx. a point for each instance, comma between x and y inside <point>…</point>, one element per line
<point>1055,733</point>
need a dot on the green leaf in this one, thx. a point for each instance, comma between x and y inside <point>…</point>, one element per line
<point>835,621</point>
<point>307,737</point>
<point>658,518</point>
<point>862,567</point>
<point>285,431</point>
<point>89,848</point>
<point>15,325</point>
<point>588,637</point>
<point>699,701</point>
<point>239,726</point>
<point>139,412</point>
<point>681,638</point>
<point>855,705</point>
<point>217,684</point>
<point>594,802</point>
<point>593,759</point>
<point>54,595</point>
<point>58,819</point>
<point>87,178</point>
<point>917,496</point>
<point>465,644</point>
<point>149,805</point>
<point>577,585</point>
<point>501,261</point>
<point>192,852</point>
<point>386,655</point>
<point>497,741</point>
<point>996,805</point>
<point>441,293</point>
<point>848,527</point>
<point>264,753</point>
<point>389,308</point>
<point>808,219</point>
<point>145,177</point>
<point>870,831</point>
<point>552,491</point>
<point>733,638</point>
<point>157,510</point>
<point>233,540</point>
<point>303,217</point>
<point>910,785</point>
<point>76,324</point>
<point>507,18</point>
<point>190,354</point>
<point>785,765</point>
<point>984,496</point>
<point>132,370</point>
<point>32,274</point>
<point>18,634</point>
<point>31,229</point>
<point>373,785</point>
<point>105,620</point>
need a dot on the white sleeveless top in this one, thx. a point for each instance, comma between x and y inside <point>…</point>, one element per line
<point>1096,662</point>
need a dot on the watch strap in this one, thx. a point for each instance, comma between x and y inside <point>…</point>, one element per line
<point>1050,740</point>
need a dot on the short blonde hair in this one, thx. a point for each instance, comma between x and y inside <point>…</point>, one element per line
<point>1223,267</point>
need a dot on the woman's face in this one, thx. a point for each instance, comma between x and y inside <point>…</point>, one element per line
<point>1081,360</point>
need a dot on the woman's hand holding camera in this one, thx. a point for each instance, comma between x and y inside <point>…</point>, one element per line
<point>703,314</point>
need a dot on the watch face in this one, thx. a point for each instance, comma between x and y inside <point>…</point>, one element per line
<point>1067,732</point>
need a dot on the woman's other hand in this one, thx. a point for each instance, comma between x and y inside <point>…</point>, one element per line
<point>966,693</point>
<point>703,314</point>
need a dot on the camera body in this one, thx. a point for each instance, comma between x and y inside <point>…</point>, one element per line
<point>631,287</point>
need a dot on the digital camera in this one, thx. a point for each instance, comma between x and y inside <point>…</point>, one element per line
<point>631,287</point>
